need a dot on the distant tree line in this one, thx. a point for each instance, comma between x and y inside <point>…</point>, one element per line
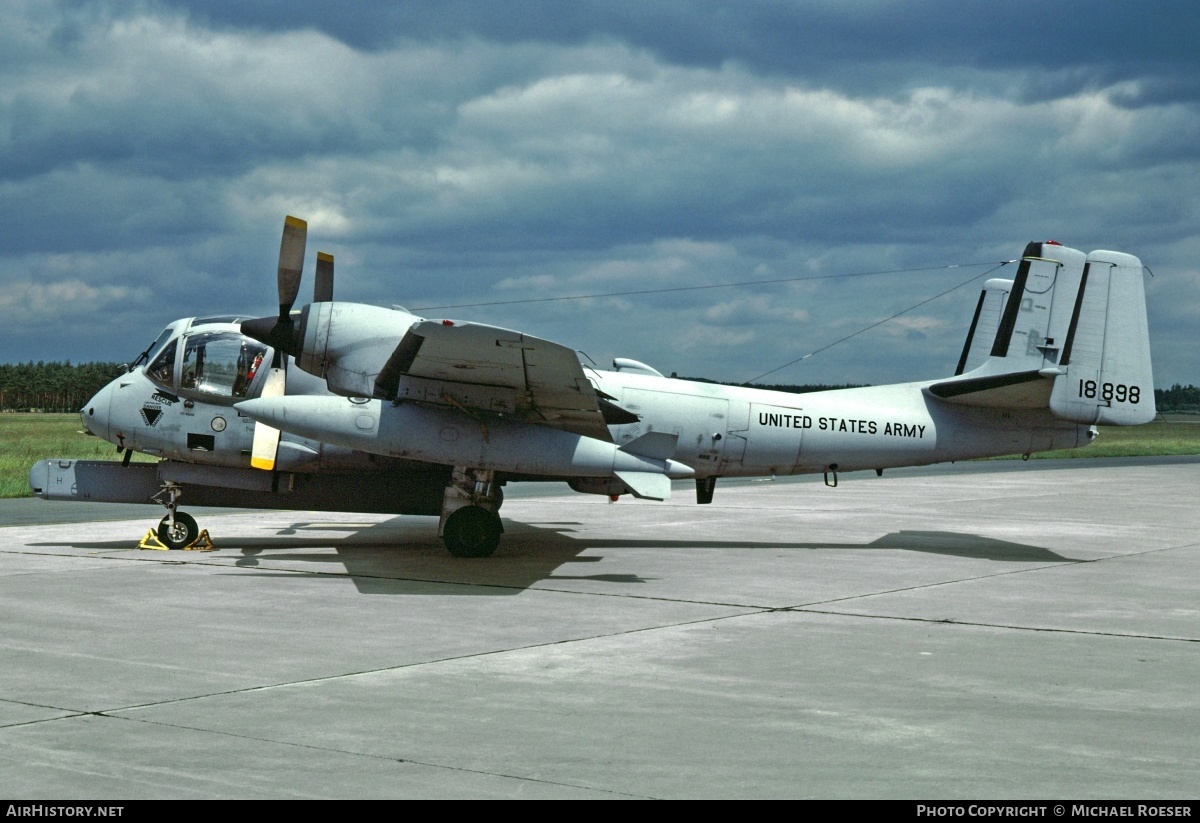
<point>1178,399</point>
<point>63,387</point>
<point>52,387</point>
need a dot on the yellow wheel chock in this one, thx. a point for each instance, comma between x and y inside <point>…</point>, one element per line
<point>151,541</point>
<point>202,543</point>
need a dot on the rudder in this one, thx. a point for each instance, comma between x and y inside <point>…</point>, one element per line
<point>1105,374</point>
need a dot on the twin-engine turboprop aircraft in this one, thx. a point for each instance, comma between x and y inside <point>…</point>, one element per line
<point>385,411</point>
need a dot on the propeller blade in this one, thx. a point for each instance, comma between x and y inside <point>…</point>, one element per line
<point>266,438</point>
<point>323,288</point>
<point>291,263</point>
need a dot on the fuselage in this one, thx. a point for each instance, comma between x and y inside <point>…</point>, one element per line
<point>735,431</point>
<point>182,405</point>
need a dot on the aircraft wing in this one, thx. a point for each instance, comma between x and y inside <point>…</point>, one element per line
<point>480,368</point>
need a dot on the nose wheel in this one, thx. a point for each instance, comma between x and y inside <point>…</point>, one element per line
<point>177,530</point>
<point>183,532</point>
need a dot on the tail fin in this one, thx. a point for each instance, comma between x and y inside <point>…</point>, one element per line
<point>1105,360</point>
<point>984,324</point>
<point>1072,336</point>
<point>1037,316</point>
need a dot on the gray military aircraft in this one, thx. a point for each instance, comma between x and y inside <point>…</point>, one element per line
<point>382,410</point>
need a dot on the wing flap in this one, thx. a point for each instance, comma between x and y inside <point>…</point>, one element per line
<point>483,368</point>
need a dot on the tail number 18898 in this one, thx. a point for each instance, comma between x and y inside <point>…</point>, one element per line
<point>1110,391</point>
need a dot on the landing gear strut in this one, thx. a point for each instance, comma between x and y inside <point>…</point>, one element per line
<point>470,525</point>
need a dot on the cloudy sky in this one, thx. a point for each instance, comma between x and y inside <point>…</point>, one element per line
<point>478,152</point>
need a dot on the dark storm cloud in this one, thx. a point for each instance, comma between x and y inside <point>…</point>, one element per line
<point>456,152</point>
<point>1119,40</point>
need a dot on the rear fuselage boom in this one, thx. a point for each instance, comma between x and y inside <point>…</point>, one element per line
<point>735,431</point>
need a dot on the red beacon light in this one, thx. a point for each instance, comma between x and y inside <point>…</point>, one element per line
<point>447,322</point>
<point>1053,243</point>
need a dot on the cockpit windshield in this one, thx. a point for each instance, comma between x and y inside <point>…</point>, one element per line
<point>220,363</point>
<point>162,369</point>
<point>152,348</point>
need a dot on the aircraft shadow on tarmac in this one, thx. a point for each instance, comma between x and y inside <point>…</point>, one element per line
<point>930,542</point>
<point>403,555</point>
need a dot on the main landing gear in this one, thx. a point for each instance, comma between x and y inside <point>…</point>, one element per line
<point>470,525</point>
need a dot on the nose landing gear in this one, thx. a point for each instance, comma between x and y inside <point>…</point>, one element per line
<point>180,534</point>
<point>177,530</point>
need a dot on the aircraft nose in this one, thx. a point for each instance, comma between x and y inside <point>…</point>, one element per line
<point>97,411</point>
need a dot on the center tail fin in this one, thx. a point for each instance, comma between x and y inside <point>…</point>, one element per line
<point>1070,334</point>
<point>984,324</point>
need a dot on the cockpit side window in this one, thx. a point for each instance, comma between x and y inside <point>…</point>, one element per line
<point>162,369</point>
<point>221,363</point>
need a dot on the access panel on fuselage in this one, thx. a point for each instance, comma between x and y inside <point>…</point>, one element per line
<point>700,422</point>
<point>773,437</point>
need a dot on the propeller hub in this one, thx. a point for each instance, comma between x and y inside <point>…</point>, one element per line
<point>285,335</point>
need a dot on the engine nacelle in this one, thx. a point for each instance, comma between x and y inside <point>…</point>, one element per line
<point>346,344</point>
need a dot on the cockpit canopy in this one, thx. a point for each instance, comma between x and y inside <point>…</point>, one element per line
<point>207,358</point>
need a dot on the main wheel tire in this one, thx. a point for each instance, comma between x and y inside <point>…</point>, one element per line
<point>472,531</point>
<point>183,534</point>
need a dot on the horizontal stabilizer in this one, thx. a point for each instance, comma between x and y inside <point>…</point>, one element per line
<point>654,445</point>
<point>646,485</point>
<point>1015,390</point>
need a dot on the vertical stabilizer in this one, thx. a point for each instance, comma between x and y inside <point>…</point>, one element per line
<point>1104,367</point>
<point>1037,313</point>
<point>1068,332</point>
<point>984,324</point>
